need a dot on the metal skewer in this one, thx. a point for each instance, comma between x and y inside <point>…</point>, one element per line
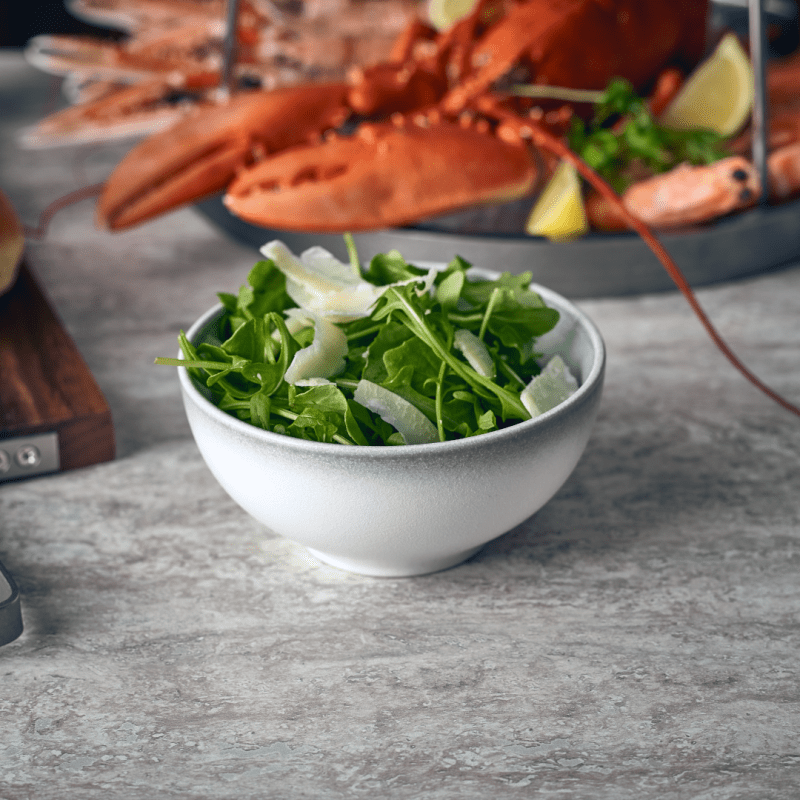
<point>758,46</point>
<point>229,53</point>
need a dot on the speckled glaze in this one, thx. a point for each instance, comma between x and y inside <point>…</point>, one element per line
<point>401,511</point>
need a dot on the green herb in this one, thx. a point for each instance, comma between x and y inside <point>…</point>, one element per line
<point>401,350</point>
<point>622,137</point>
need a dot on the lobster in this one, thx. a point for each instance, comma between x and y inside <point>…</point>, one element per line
<point>422,115</point>
<point>211,149</point>
<point>131,17</point>
<point>438,117</point>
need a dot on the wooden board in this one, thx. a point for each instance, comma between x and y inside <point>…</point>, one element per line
<point>45,385</point>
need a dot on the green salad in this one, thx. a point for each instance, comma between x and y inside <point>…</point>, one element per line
<point>393,354</point>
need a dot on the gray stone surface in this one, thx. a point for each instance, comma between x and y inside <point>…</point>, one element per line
<point>636,639</point>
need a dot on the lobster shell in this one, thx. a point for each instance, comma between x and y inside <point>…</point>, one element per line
<point>381,177</point>
<point>201,154</point>
<point>585,43</point>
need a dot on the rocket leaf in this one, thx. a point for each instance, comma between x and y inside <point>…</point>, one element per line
<point>404,344</point>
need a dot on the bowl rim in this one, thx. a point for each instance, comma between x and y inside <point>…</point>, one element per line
<point>589,384</point>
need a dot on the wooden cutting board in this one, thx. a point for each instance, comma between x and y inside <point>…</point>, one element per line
<point>53,416</point>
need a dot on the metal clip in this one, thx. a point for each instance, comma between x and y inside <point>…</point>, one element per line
<point>758,46</point>
<point>229,54</point>
<point>26,456</point>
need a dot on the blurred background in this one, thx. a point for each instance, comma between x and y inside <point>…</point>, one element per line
<point>19,21</point>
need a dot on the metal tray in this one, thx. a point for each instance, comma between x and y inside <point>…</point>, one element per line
<point>598,265</point>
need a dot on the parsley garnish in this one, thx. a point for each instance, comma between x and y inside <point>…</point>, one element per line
<point>622,138</point>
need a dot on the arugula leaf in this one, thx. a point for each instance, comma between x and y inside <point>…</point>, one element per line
<point>321,412</point>
<point>405,344</point>
<point>249,341</point>
<point>449,290</point>
<point>264,291</point>
<point>260,409</point>
<point>414,356</point>
<point>391,267</point>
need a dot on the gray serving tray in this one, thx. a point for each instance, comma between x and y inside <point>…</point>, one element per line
<point>598,265</point>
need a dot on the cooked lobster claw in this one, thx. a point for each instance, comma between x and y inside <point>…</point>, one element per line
<point>201,154</point>
<point>382,176</point>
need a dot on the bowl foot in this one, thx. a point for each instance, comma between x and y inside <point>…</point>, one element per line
<point>386,569</point>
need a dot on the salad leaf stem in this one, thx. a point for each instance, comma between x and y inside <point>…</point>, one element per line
<point>439,393</point>
<point>362,332</point>
<point>489,308</point>
<point>352,254</point>
<point>216,366</point>
<point>506,369</point>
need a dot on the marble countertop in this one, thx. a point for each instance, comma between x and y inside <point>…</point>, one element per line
<point>636,639</point>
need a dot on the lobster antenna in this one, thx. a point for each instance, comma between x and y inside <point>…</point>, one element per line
<point>558,148</point>
<point>757,57</point>
<point>40,231</point>
<point>543,138</point>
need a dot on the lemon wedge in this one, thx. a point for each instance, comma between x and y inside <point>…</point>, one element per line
<point>559,213</point>
<point>444,13</point>
<point>718,95</point>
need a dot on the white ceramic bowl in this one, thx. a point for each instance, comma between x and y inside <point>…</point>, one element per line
<point>408,510</point>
